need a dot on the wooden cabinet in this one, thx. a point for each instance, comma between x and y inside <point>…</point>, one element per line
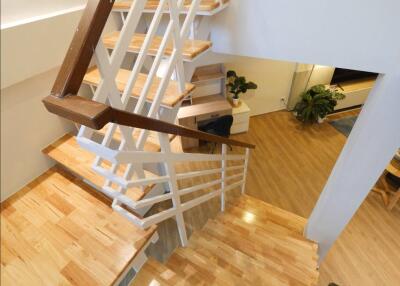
<point>241,118</point>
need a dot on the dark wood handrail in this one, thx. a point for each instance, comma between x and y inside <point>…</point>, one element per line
<point>81,49</point>
<point>96,115</point>
<point>64,101</point>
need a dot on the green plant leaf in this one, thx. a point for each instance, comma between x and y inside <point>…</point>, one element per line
<point>316,102</point>
<point>231,74</point>
<point>251,85</point>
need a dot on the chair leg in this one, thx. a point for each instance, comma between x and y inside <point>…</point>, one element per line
<point>393,200</point>
<point>383,194</point>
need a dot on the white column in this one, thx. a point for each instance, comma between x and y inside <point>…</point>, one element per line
<point>370,147</point>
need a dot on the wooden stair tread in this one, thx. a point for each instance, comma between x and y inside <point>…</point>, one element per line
<point>300,267</point>
<point>191,48</point>
<point>69,154</point>
<point>156,273</point>
<point>171,97</point>
<point>197,271</point>
<point>59,231</point>
<point>280,244</point>
<point>248,244</point>
<point>272,213</point>
<point>250,269</point>
<point>273,238</point>
<point>204,269</point>
<point>251,222</point>
<point>152,143</point>
<point>151,5</point>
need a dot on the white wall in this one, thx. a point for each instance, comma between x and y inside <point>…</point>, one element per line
<point>26,128</point>
<point>274,80</point>
<point>31,53</point>
<point>305,77</point>
<point>358,34</point>
<point>14,12</point>
<point>30,49</point>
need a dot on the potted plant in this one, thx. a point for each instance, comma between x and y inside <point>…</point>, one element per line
<point>316,103</point>
<point>237,85</point>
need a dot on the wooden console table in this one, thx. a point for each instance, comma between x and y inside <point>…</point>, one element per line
<point>194,115</point>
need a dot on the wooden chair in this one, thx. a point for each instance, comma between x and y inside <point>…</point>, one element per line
<point>390,198</point>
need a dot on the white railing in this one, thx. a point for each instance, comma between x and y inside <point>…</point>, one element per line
<point>110,65</point>
<point>231,172</point>
<point>129,155</point>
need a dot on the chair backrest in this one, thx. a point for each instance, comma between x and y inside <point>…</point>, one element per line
<point>221,126</point>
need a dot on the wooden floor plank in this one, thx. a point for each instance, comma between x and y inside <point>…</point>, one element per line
<point>71,247</point>
<point>289,169</point>
<point>234,250</point>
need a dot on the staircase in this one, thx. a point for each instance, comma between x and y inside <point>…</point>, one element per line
<point>251,243</point>
<point>92,222</point>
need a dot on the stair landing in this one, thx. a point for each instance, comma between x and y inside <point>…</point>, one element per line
<point>59,231</point>
<point>251,243</point>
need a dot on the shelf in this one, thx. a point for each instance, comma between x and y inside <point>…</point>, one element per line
<point>207,77</point>
<point>207,73</point>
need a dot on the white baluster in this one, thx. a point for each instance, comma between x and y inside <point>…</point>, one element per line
<point>223,176</point>
<point>246,165</point>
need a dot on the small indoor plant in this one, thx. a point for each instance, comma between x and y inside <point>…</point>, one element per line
<point>316,103</point>
<point>237,85</point>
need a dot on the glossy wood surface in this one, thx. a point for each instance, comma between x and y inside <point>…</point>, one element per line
<point>59,231</point>
<point>289,169</point>
<point>79,110</point>
<point>191,48</point>
<point>252,243</point>
<point>171,97</point>
<point>69,107</point>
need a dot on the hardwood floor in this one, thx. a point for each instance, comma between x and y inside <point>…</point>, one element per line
<point>249,244</point>
<point>288,169</point>
<point>59,231</point>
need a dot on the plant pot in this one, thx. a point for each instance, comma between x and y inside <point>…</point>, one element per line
<point>321,120</point>
<point>235,101</point>
<point>397,155</point>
